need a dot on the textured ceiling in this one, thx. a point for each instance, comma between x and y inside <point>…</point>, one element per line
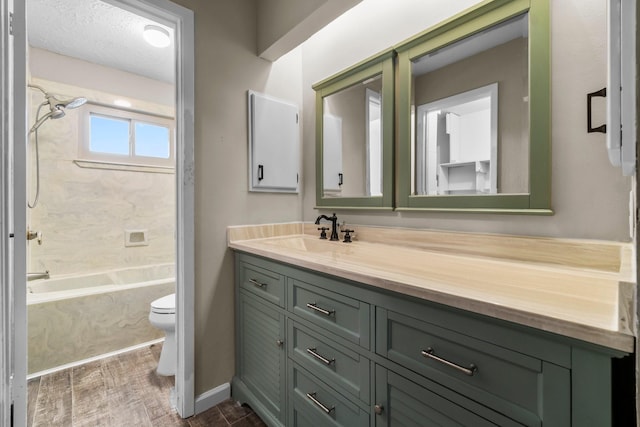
<point>100,33</point>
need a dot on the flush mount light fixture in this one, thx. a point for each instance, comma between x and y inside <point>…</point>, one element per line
<point>156,36</point>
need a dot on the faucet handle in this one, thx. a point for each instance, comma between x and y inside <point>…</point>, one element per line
<point>323,234</point>
<point>347,236</point>
<point>32,234</point>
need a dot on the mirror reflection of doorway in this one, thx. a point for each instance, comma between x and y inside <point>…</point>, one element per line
<point>457,143</point>
<point>374,143</point>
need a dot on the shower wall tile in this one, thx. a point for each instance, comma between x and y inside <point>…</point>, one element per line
<point>83,212</point>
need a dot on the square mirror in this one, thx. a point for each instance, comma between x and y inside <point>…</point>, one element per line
<point>354,136</point>
<point>474,112</point>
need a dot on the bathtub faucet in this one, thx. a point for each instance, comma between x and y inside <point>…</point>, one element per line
<point>334,225</point>
<point>36,276</point>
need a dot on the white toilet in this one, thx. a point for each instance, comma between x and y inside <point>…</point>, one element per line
<point>163,316</point>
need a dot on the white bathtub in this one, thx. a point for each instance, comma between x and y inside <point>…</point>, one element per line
<point>77,317</point>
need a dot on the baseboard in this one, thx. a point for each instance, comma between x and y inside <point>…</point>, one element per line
<point>211,398</point>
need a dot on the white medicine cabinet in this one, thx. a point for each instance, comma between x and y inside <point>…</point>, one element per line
<point>621,86</point>
<point>274,144</point>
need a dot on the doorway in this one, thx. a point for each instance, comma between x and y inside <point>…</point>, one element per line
<point>180,20</point>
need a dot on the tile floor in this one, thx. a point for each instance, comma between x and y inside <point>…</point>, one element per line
<point>118,391</point>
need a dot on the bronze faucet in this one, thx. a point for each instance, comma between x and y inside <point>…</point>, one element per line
<point>334,225</point>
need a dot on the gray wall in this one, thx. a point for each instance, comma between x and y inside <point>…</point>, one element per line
<point>226,67</point>
<point>589,196</point>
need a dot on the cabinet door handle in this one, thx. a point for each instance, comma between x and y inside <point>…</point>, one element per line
<point>258,284</point>
<point>313,306</point>
<point>603,128</point>
<point>429,353</point>
<point>312,397</point>
<point>279,343</point>
<point>312,351</point>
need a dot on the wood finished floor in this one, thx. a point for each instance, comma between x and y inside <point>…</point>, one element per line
<point>120,391</point>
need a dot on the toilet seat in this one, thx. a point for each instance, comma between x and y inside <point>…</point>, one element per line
<point>164,305</point>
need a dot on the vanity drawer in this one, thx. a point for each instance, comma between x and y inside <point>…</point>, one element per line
<point>315,404</point>
<point>342,315</point>
<point>262,282</point>
<point>403,402</point>
<point>495,376</point>
<point>334,363</point>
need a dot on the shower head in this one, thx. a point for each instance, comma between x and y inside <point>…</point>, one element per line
<point>70,104</point>
<point>56,107</point>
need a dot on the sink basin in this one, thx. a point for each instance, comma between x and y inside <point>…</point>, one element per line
<point>311,245</point>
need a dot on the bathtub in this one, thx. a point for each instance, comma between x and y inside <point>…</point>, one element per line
<point>72,318</point>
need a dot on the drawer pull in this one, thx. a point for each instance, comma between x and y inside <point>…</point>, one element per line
<point>313,306</point>
<point>429,353</point>
<point>258,284</point>
<point>312,397</point>
<point>312,351</point>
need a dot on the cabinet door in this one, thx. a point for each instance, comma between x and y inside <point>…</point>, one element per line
<point>401,402</point>
<point>275,144</point>
<point>261,362</point>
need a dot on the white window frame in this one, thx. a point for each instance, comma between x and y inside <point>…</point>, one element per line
<point>84,146</point>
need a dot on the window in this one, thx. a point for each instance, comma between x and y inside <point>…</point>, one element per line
<point>119,136</point>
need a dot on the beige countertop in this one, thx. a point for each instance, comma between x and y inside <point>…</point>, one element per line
<point>580,289</point>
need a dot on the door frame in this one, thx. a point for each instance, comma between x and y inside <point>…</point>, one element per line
<point>14,213</point>
<point>13,251</point>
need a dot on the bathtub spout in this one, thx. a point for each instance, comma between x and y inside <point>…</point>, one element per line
<point>35,276</point>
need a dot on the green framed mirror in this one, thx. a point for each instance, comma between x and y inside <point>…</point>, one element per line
<point>474,112</point>
<point>354,136</point>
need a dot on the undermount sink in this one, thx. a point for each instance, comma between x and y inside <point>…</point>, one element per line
<point>311,244</point>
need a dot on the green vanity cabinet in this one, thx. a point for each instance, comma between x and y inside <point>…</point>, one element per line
<point>315,350</point>
<point>260,330</point>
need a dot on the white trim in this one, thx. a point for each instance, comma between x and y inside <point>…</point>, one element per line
<point>182,20</point>
<point>18,256</point>
<point>94,358</point>
<point>6,126</point>
<point>211,398</point>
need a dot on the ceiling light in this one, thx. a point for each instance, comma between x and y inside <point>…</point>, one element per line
<point>156,36</point>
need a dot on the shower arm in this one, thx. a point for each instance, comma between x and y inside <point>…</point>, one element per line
<point>38,87</point>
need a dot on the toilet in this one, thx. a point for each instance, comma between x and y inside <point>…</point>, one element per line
<point>163,316</point>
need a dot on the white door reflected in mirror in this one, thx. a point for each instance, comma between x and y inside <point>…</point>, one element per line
<point>374,143</point>
<point>457,144</point>
<point>352,140</point>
